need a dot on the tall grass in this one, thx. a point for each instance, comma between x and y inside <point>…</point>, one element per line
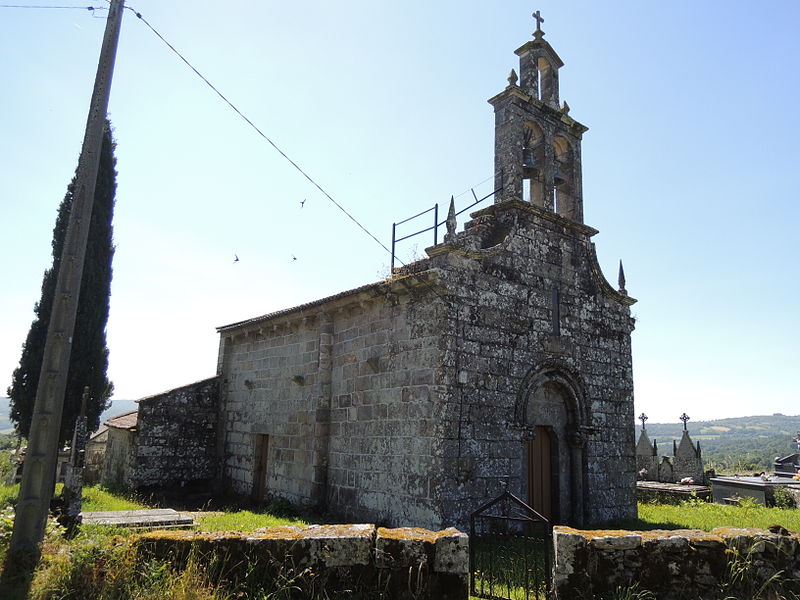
<point>97,565</point>
<point>97,497</point>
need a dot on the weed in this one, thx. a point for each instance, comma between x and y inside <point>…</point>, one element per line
<point>630,592</point>
<point>693,501</point>
<point>782,498</point>
<point>749,578</point>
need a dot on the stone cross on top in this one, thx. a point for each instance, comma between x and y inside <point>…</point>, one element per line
<point>539,21</point>
<point>684,417</point>
<point>643,418</point>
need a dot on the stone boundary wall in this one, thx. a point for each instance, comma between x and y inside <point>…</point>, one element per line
<point>675,565</point>
<point>364,560</point>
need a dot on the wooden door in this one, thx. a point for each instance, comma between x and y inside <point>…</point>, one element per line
<point>540,473</point>
<point>260,471</point>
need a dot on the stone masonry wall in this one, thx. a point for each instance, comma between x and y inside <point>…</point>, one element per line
<point>341,391</point>
<point>119,458</point>
<point>177,437</point>
<point>270,386</point>
<point>383,463</point>
<point>359,561</point>
<point>501,273</point>
<point>677,565</point>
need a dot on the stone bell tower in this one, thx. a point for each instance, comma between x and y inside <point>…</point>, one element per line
<point>537,144</point>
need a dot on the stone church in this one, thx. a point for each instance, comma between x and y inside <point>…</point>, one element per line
<point>500,361</point>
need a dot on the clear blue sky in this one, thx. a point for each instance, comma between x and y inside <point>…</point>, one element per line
<point>690,168</point>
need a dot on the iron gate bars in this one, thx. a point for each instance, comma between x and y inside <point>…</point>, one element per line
<point>510,551</point>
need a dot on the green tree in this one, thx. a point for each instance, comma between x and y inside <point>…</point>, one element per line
<point>89,358</point>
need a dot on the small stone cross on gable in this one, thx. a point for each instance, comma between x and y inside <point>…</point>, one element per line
<point>539,20</point>
<point>643,418</point>
<point>684,417</point>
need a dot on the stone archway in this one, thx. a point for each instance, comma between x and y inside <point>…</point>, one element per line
<point>552,415</point>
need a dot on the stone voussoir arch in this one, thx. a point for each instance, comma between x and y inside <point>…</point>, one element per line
<point>559,373</point>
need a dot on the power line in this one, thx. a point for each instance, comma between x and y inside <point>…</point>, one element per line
<point>281,152</point>
<point>244,117</point>
<point>261,133</point>
<point>90,8</point>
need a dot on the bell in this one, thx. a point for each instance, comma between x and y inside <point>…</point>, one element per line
<point>558,179</point>
<point>529,162</point>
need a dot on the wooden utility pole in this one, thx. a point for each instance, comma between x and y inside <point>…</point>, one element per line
<point>41,456</point>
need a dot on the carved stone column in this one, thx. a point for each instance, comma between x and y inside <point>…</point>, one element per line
<point>577,439</point>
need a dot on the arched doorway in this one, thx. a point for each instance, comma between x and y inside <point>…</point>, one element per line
<point>550,412</point>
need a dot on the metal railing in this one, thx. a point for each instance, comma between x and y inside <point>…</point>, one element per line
<point>436,222</point>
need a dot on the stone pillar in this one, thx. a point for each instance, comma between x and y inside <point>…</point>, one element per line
<point>577,445</point>
<point>73,479</point>
<point>322,414</point>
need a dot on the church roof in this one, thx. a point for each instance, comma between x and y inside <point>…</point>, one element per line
<point>378,287</point>
<point>124,421</point>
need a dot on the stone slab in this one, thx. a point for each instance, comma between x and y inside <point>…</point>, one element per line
<point>138,519</point>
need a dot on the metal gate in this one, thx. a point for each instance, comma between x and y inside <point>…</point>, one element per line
<point>510,549</point>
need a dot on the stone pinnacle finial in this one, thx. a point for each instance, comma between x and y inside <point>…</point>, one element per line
<point>621,279</point>
<point>643,418</point>
<point>512,77</point>
<point>684,417</point>
<point>539,20</point>
<point>451,220</point>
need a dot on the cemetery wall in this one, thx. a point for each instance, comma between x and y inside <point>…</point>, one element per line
<point>724,562</point>
<point>328,560</point>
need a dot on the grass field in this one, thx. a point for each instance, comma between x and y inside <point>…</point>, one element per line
<point>706,516</point>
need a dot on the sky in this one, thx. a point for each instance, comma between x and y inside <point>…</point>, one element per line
<point>689,168</point>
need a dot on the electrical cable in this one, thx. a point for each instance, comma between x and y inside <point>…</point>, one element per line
<point>90,8</point>
<point>261,133</point>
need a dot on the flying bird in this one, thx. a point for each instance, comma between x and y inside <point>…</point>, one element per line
<point>236,258</point>
<point>294,257</point>
<point>303,203</point>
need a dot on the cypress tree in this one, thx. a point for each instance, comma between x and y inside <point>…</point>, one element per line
<point>89,357</point>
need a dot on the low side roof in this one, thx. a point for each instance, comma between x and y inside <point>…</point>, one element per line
<point>124,421</point>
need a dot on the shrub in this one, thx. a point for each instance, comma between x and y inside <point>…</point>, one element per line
<point>782,498</point>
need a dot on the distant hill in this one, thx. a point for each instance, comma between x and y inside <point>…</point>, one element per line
<point>733,445</point>
<point>5,422</point>
<point>118,407</point>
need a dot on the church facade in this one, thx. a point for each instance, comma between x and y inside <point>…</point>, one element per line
<point>502,360</point>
